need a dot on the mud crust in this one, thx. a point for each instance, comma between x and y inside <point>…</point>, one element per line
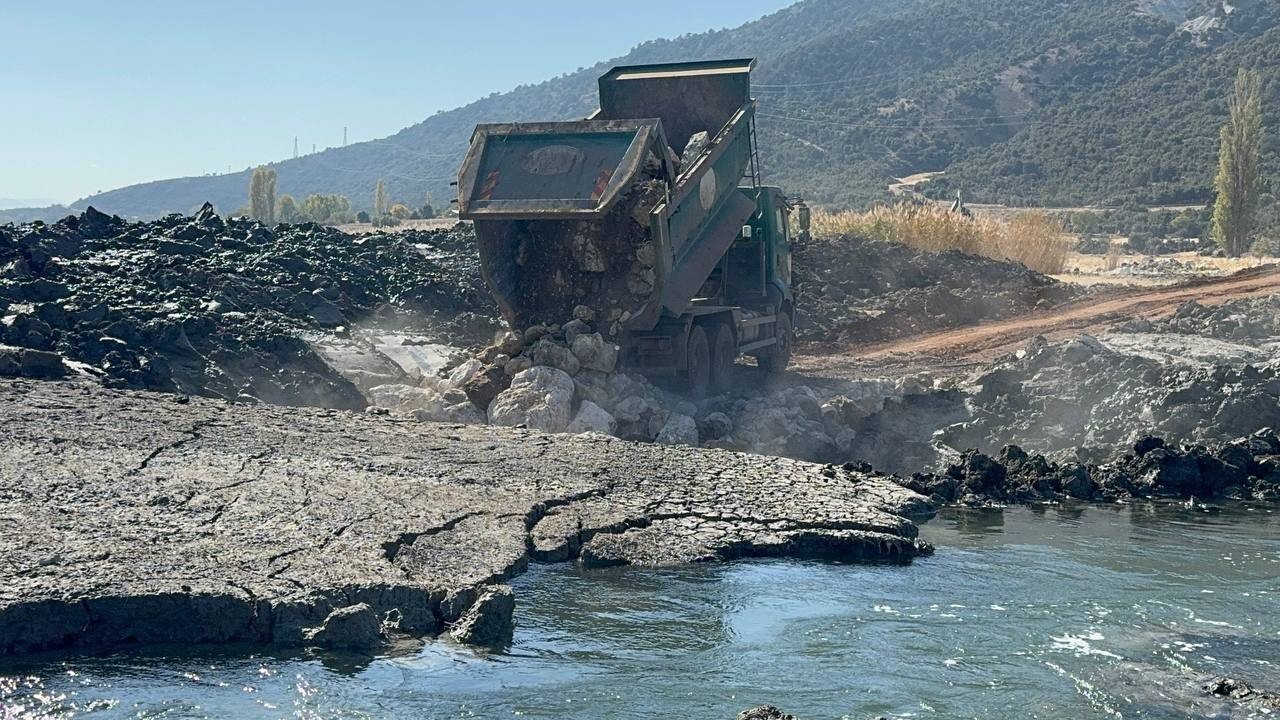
<point>136,518</point>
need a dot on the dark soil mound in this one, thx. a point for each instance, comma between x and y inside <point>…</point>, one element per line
<point>203,305</point>
<point>853,290</point>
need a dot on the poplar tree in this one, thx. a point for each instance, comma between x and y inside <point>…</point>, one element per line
<point>262,195</point>
<point>1238,184</point>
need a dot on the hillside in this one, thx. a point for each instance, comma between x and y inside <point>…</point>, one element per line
<point>1020,101</point>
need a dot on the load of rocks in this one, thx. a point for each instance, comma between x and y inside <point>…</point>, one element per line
<point>567,378</point>
<point>1086,393</point>
<point>1247,468</point>
<point>1252,321</point>
<point>851,289</point>
<point>208,306</point>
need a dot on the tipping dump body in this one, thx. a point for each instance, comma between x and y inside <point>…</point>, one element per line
<point>606,212</point>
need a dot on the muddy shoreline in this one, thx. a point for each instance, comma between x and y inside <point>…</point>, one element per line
<point>139,518</point>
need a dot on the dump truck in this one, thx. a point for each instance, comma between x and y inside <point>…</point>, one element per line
<point>650,214</point>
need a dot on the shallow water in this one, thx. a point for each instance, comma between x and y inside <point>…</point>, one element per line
<point>1101,612</point>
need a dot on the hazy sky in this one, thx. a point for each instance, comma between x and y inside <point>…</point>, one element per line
<point>102,94</point>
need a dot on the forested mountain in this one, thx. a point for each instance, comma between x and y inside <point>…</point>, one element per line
<point>1019,101</point>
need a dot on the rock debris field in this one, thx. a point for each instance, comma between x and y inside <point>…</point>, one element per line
<point>206,306</point>
<point>136,517</point>
<point>224,509</point>
<point>232,309</point>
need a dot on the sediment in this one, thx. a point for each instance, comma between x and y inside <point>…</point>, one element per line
<point>137,518</point>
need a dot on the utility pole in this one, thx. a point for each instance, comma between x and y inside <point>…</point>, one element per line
<point>313,148</point>
<point>344,136</point>
<point>295,147</point>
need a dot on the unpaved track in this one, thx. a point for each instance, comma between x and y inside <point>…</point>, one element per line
<point>961,349</point>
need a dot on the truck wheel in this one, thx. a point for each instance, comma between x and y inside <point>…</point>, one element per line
<point>698,375</point>
<point>724,351</point>
<point>774,359</point>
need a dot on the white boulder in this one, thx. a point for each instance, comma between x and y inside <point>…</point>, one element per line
<point>540,398</point>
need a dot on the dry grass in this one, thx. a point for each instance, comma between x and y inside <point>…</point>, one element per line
<point>1032,238</point>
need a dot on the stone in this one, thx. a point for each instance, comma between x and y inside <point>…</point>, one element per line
<point>639,418</point>
<point>490,620</point>
<point>517,365</point>
<point>355,627</point>
<point>539,398</point>
<point>679,430</point>
<point>715,426</point>
<point>510,343</point>
<point>37,364</point>
<point>482,387</point>
<point>326,314</point>
<point>584,314</point>
<point>595,353</point>
<point>573,329</point>
<point>546,352</point>
<point>464,372</point>
<point>592,418</point>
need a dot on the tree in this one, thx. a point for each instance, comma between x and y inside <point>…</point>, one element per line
<point>287,209</point>
<point>326,209</point>
<point>399,211</point>
<point>1238,183</point>
<point>380,201</point>
<point>362,217</point>
<point>262,195</point>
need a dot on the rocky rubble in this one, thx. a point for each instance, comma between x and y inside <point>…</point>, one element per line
<point>207,306</point>
<point>1252,321</point>
<point>565,378</point>
<point>1084,393</point>
<point>1247,468</point>
<point>853,290</point>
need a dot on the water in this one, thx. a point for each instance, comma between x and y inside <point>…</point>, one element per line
<point>1104,612</point>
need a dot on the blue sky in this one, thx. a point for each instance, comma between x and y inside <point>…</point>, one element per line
<point>102,94</point>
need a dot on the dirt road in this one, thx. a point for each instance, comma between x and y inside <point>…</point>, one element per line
<point>962,349</point>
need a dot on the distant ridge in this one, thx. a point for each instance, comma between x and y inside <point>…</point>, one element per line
<point>1022,102</point>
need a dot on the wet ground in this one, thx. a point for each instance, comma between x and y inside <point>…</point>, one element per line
<point>1055,613</point>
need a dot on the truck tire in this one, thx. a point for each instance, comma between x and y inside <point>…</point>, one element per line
<point>697,377</point>
<point>724,352</point>
<point>774,359</point>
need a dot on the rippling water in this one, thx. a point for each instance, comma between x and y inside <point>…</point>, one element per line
<point>1102,612</point>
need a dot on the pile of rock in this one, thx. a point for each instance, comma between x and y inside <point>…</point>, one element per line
<point>606,264</point>
<point>204,305</point>
<point>852,289</point>
<point>1247,468</point>
<point>1087,394</point>
<point>1253,321</point>
<point>567,378</point>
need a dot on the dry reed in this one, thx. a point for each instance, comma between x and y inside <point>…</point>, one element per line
<point>1032,238</point>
